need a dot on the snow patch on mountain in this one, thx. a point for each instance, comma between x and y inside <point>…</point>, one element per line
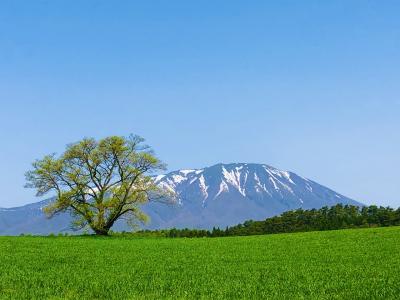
<point>186,172</point>
<point>223,187</point>
<point>203,187</point>
<point>159,177</point>
<point>178,178</point>
<point>233,178</point>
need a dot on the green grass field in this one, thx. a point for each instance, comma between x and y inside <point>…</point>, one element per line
<point>346,264</point>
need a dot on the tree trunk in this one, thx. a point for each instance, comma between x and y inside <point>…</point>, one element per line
<point>101,231</point>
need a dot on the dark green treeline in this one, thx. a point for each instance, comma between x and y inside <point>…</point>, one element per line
<point>326,218</point>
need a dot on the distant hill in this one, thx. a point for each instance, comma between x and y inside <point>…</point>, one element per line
<point>220,195</point>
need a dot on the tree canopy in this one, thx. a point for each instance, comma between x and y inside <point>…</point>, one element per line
<point>326,218</point>
<point>99,181</point>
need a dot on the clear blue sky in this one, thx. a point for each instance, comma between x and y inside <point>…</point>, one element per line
<point>307,86</point>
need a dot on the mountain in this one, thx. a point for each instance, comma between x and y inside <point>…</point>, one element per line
<point>31,219</point>
<point>220,195</point>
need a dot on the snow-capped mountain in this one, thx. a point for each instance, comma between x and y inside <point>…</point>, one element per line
<point>220,195</point>
<point>227,194</point>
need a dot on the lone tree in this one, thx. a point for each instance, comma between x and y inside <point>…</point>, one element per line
<point>99,182</point>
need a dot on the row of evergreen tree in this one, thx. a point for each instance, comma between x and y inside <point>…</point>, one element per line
<point>326,218</point>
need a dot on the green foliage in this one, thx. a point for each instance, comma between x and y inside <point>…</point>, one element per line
<point>326,218</point>
<point>342,264</point>
<point>99,182</point>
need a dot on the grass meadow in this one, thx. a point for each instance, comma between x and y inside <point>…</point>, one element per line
<point>343,264</point>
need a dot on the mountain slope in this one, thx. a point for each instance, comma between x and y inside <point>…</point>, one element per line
<point>221,195</point>
<point>227,194</point>
<point>31,219</point>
